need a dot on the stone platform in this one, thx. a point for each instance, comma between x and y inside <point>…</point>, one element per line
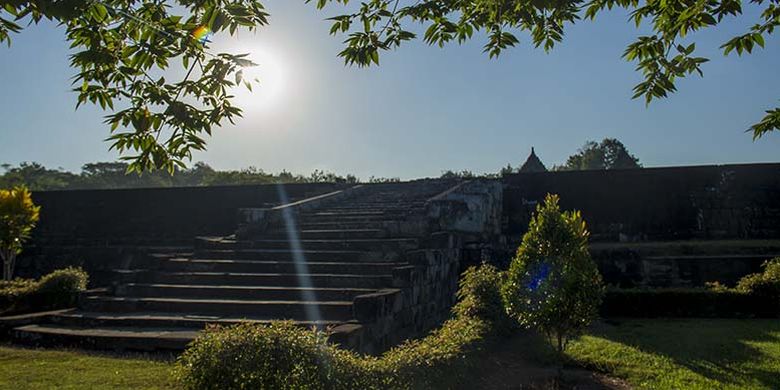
<point>372,264</point>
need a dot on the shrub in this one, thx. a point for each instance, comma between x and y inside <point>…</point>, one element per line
<point>56,290</point>
<point>764,286</point>
<point>479,296</point>
<point>442,359</point>
<point>60,288</point>
<point>756,295</point>
<point>12,291</point>
<point>552,284</point>
<point>284,356</point>
<point>18,216</point>
<point>246,356</point>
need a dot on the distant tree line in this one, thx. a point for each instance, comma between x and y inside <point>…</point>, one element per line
<point>102,175</point>
<point>608,154</point>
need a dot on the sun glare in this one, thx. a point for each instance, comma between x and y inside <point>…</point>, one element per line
<point>271,86</point>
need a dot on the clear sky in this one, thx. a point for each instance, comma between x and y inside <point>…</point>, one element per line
<point>425,109</point>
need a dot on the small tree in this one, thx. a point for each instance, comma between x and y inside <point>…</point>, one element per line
<point>18,215</point>
<point>552,283</point>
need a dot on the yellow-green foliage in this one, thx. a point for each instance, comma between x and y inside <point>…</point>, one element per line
<point>479,296</point>
<point>552,284</point>
<point>769,277</point>
<point>58,289</point>
<point>278,356</point>
<point>764,285</point>
<point>18,216</point>
<point>12,291</point>
<point>283,356</point>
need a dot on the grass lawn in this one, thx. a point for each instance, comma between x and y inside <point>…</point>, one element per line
<point>685,353</point>
<point>22,368</point>
<point>645,354</point>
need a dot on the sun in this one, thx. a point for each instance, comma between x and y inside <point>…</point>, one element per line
<point>269,81</point>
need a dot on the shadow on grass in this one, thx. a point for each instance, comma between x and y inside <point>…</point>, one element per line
<point>526,361</point>
<point>718,349</point>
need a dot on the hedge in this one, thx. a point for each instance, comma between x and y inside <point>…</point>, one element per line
<point>282,355</point>
<point>56,290</point>
<point>756,295</point>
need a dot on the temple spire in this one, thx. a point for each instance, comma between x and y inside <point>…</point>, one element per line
<point>533,164</point>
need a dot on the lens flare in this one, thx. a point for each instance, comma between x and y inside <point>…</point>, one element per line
<point>202,34</point>
<point>539,277</point>
<point>308,296</point>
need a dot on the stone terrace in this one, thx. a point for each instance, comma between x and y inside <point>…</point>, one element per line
<point>330,262</point>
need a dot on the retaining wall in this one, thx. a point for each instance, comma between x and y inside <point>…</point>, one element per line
<point>698,202</point>
<point>100,229</point>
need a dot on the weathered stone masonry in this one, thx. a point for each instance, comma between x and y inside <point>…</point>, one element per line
<point>383,260</point>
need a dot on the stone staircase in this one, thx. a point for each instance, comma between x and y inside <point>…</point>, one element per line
<point>310,268</point>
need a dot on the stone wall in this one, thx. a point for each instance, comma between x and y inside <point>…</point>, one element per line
<point>99,230</point>
<point>153,215</point>
<point>700,202</point>
<point>420,301</point>
<point>681,263</point>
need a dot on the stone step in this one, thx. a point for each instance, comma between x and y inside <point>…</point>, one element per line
<point>259,293</point>
<point>251,266</point>
<point>339,225</point>
<point>160,319</point>
<point>111,338</point>
<point>705,258</point>
<point>686,247</point>
<point>289,255</point>
<point>383,245</point>
<point>412,206</point>
<point>401,208</point>
<point>341,233</point>
<point>349,218</point>
<point>345,213</point>
<point>255,279</point>
<point>283,310</point>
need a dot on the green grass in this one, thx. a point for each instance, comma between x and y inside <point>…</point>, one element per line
<point>648,354</point>
<point>22,368</point>
<point>685,353</point>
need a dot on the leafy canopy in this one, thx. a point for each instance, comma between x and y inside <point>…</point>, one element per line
<point>552,284</point>
<point>123,49</point>
<point>609,154</point>
<point>662,57</point>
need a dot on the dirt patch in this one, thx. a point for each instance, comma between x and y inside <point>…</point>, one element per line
<point>522,363</point>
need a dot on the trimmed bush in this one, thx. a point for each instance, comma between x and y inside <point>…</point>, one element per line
<point>764,286</point>
<point>552,284</point>
<point>756,295</point>
<point>479,296</point>
<point>284,356</point>
<point>278,356</point>
<point>12,291</point>
<point>59,289</point>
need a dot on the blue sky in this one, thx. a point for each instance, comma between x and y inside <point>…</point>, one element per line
<point>425,109</point>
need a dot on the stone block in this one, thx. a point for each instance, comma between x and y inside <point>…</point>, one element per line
<point>348,336</point>
<point>372,307</point>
